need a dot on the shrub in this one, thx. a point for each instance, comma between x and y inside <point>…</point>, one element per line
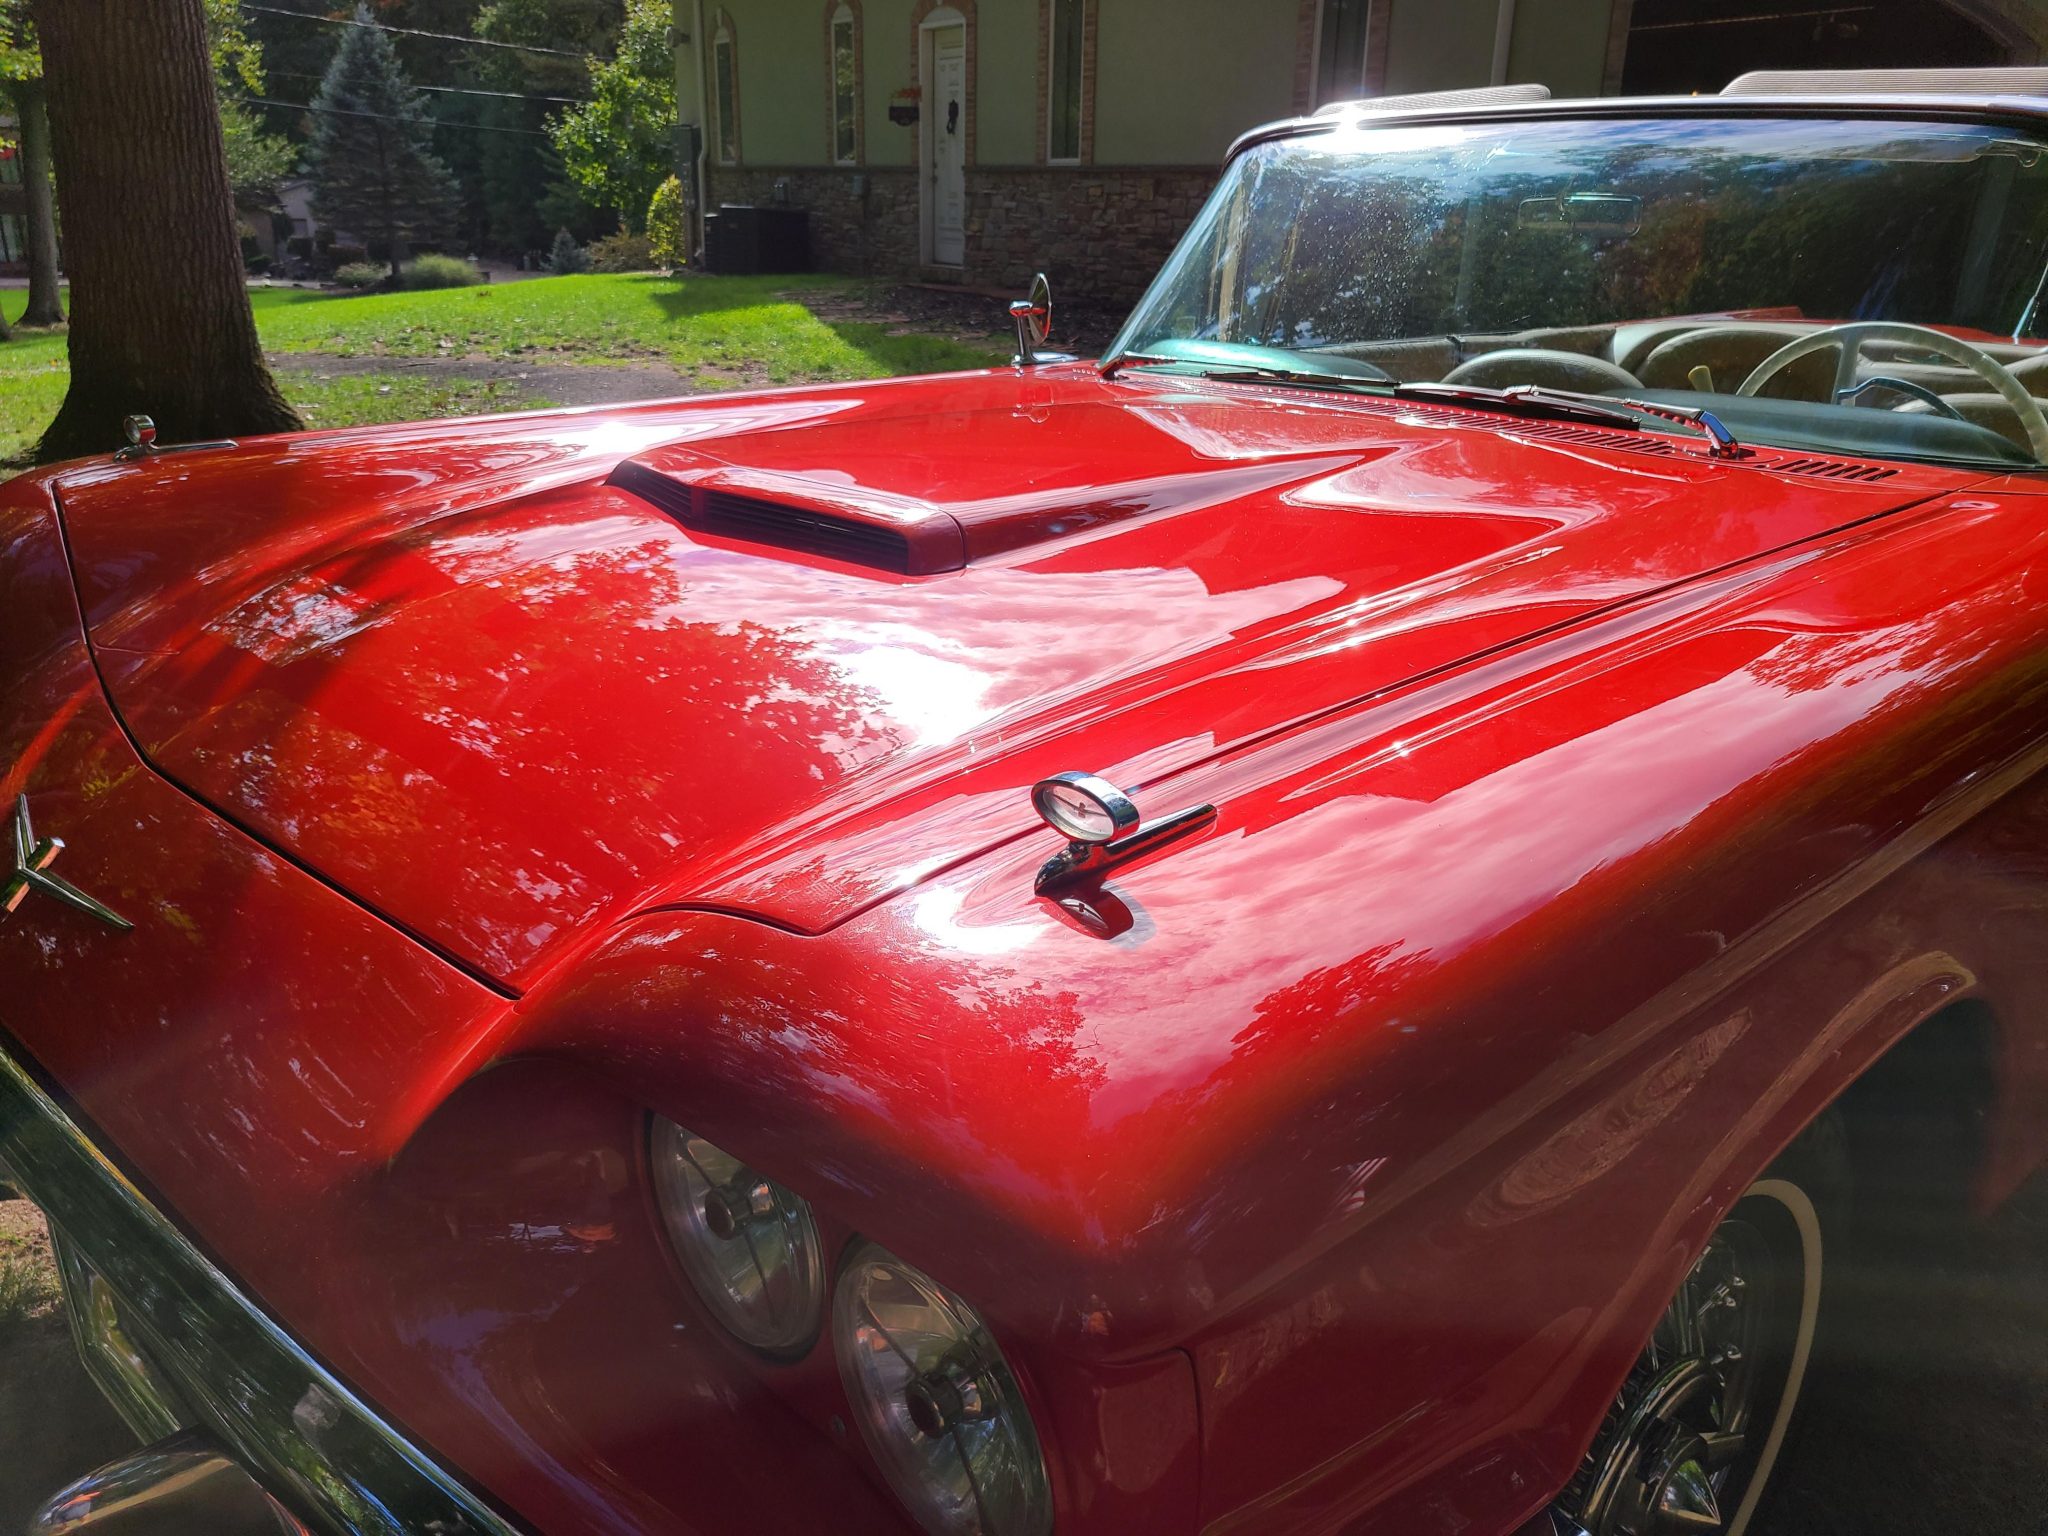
<point>623,252</point>
<point>567,256</point>
<point>344,255</point>
<point>665,225</point>
<point>438,272</point>
<point>361,274</point>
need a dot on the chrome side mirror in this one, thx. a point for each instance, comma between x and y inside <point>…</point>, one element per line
<point>142,444</point>
<point>1033,318</point>
<point>141,434</point>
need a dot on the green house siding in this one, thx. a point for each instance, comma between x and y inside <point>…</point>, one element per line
<point>1562,44</point>
<point>1440,45</point>
<point>1173,83</point>
<point>782,83</point>
<point>1178,94</point>
<point>1445,45</point>
<point>887,66</point>
<point>1166,85</point>
<point>1006,82</point>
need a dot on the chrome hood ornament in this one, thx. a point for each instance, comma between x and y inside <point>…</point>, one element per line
<point>1101,825</point>
<point>33,857</point>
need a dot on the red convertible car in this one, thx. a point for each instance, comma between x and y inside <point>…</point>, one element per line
<point>1314,925</point>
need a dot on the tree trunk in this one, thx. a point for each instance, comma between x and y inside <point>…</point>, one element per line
<point>160,319</point>
<point>44,305</point>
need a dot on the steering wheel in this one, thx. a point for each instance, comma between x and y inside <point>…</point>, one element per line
<point>1851,338</point>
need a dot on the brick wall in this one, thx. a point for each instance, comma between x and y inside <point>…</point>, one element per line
<point>1098,232</point>
<point>871,233</point>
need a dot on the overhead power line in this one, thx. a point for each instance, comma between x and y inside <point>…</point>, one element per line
<point>378,26</point>
<point>449,90</point>
<point>390,117</point>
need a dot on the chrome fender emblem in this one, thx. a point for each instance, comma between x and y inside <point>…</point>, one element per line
<point>33,857</point>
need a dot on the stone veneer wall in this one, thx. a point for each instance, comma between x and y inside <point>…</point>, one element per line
<point>1098,232</point>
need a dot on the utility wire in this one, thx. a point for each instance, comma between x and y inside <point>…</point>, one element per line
<point>378,26</point>
<point>451,90</point>
<point>388,117</point>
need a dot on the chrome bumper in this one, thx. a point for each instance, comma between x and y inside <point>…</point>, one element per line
<point>247,1387</point>
<point>177,1487</point>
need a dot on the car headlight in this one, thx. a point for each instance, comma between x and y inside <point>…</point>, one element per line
<point>938,1407</point>
<point>749,1246</point>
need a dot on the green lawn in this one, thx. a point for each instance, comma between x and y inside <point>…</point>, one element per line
<point>725,331</point>
<point>756,325</point>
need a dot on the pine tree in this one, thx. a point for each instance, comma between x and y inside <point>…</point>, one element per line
<point>567,257</point>
<point>373,171</point>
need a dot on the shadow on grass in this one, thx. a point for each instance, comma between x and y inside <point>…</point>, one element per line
<point>887,348</point>
<point>914,353</point>
<point>691,294</point>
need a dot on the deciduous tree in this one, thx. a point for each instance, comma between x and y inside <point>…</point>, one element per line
<point>160,319</point>
<point>620,145</point>
<point>257,160</point>
<point>515,154</point>
<point>21,71</point>
<point>371,160</point>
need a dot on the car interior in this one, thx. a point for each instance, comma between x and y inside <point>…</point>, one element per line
<point>1928,405</point>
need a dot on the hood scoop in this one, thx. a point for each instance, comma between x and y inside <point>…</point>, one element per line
<point>884,539</point>
<point>884,529</point>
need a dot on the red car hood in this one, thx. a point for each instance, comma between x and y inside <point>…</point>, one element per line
<point>482,677</point>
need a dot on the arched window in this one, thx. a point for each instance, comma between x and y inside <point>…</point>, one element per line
<point>842,30</point>
<point>725,93</point>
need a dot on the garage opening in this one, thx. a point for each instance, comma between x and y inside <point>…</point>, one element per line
<point>1682,47</point>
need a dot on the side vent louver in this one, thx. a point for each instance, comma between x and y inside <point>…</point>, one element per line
<point>908,551</point>
<point>1592,437</point>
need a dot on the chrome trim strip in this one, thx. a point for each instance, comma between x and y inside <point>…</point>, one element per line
<point>307,1438</point>
<point>2024,112</point>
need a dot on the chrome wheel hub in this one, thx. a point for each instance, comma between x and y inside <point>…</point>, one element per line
<point>1664,1462</point>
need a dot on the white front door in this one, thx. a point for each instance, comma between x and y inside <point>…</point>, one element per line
<point>945,140</point>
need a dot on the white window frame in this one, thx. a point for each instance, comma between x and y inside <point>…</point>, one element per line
<point>1052,32</point>
<point>843,17</point>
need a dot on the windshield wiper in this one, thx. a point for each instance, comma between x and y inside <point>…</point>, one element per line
<point>1571,405</point>
<point>1530,401</point>
<point>1272,373</point>
<point>1525,400</point>
<point>1247,373</point>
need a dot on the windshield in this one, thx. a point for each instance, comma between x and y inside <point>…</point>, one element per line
<point>1667,259</point>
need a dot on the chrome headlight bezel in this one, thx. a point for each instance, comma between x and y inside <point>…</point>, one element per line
<point>965,1381</point>
<point>714,1210</point>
